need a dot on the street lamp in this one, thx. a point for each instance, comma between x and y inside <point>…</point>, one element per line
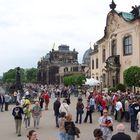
<point>101,80</point>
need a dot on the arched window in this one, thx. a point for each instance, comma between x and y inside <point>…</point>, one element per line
<point>92,64</point>
<point>103,56</point>
<point>127,45</point>
<point>113,47</point>
<point>96,63</point>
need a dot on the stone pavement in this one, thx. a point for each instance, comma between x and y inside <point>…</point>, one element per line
<point>47,130</point>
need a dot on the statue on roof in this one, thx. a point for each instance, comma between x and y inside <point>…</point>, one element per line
<point>135,11</point>
<point>112,5</point>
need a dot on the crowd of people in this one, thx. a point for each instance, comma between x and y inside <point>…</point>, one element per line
<point>116,106</point>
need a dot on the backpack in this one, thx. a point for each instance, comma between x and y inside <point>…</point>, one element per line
<point>16,112</point>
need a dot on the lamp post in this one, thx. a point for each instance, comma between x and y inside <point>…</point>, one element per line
<point>101,80</point>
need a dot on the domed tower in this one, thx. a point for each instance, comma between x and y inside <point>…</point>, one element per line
<point>86,62</point>
<point>86,57</point>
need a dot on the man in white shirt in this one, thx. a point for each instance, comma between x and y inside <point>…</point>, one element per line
<point>118,108</point>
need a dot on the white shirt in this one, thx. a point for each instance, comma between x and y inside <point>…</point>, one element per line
<point>118,105</point>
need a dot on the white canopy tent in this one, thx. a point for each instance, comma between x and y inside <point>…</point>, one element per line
<point>92,82</point>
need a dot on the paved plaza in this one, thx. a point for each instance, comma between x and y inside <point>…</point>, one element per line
<point>47,130</point>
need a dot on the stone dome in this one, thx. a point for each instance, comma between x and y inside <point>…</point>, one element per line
<point>86,56</point>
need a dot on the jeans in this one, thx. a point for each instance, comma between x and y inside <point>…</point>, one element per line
<point>62,135</point>
<point>70,137</point>
<point>133,123</point>
<point>56,120</point>
<point>77,117</point>
<point>88,114</point>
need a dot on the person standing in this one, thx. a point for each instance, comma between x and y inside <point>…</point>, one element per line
<point>88,113</point>
<point>17,112</point>
<point>120,135</point>
<point>7,100</point>
<point>41,99</point>
<point>36,114</point>
<point>106,125</point>
<point>79,110</point>
<point>56,107</point>
<point>2,102</point>
<point>134,109</point>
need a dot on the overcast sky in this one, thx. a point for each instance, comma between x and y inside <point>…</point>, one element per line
<point>29,28</point>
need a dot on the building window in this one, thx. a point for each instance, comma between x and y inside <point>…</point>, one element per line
<point>96,63</point>
<point>92,64</point>
<point>113,48</point>
<point>127,45</point>
<point>103,56</point>
<point>75,69</point>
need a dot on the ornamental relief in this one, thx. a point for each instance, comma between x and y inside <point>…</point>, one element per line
<point>112,23</point>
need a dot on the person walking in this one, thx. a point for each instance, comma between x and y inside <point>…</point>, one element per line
<point>32,135</point>
<point>27,116</point>
<point>46,100</point>
<point>120,135</point>
<point>69,127</point>
<point>17,112</point>
<point>36,114</point>
<point>106,125</point>
<point>56,107</point>
<point>64,107</point>
<point>61,122</point>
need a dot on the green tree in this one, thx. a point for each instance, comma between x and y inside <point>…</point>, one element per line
<point>27,75</point>
<point>132,76</point>
<point>31,75</point>
<point>74,80</point>
<point>9,76</point>
<point>121,87</point>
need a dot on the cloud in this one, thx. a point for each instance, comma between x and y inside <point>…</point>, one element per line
<point>28,28</point>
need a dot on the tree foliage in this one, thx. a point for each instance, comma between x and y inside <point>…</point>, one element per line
<point>74,80</point>
<point>27,75</point>
<point>132,76</point>
<point>31,75</point>
<point>121,87</point>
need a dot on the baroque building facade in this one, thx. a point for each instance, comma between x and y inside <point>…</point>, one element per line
<point>58,64</point>
<point>119,48</point>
